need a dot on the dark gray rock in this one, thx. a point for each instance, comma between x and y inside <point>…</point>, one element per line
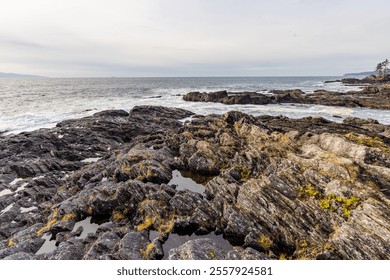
<point>104,247</point>
<point>132,245</point>
<point>21,256</point>
<point>240,253</point>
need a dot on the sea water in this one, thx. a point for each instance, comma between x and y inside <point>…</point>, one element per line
<point>29,104</point>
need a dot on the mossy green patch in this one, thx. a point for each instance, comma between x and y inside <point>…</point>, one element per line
<point>375,142</point>
<point>332,202</point>
<point>309,191</point>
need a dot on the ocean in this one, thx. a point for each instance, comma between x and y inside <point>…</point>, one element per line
<point>29,104</point>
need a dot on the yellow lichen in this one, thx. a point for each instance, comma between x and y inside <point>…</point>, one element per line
<point>188,134</point>
<point>140,178</point>
<point>265,242</point>
<point>302,243</point>
<point>145,224</point>
<point>309,191</point>
<point>283,257</point>
<point>244,172</point>
<point>117,216</point>
<point>149,173</point>
<point>310,251</point>
<point>166,225</point>
<point>55,219</point>
<point>11,242</point>
<point>90,210</point>
<point>162,225</point>
<point>375,142</point>
<point>331,202</point>
<point>302,249</point>
<point>146,252</point>
<point>125,168</point>
<point>212,255</point>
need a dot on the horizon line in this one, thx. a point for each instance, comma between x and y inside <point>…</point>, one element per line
<point>122,77</point>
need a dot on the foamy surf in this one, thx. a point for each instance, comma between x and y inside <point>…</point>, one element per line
<point>37,105</point>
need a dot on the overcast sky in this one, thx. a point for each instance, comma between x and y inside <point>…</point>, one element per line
<point>93,38</point>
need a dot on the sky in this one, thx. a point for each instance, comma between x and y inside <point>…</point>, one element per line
<point>126,38</point>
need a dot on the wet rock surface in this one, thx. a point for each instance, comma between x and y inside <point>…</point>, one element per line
<point>98,188</point>
<point>376,97</point>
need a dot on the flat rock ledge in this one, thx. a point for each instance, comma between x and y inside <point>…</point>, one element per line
<point>275,188</point>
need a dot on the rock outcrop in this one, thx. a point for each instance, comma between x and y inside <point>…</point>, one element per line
<point>372,79</point>
<point>370,97</point>
<point>275,188</point>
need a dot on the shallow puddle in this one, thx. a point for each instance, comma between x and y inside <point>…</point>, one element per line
<point>5,192</point>
<point>90,160</point>
<point>8,191</point>
<point>182,182</point>
<point>22,187</point>
<point>88,227</point>
<point>29,209</point>
<point>49,245</point>
<point>188,119</point>
<point>6,209</point>
<point>15,181</point>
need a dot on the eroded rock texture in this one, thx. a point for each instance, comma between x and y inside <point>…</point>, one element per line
<point>98,188</point>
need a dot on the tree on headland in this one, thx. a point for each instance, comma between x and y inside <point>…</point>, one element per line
<point>379,69</point>
<point>385,66</point>
<point>382,68</point>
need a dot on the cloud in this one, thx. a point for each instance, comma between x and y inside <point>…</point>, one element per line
<point>168,37</point>
<point>26,44</point>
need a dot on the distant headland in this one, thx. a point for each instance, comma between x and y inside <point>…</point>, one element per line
<point>360,74</point>
<point>14,75</point>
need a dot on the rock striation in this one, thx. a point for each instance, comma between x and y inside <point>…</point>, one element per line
<point>275,188</point>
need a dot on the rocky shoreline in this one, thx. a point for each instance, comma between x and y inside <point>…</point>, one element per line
<point>274,188</point>
<point>369,97</point>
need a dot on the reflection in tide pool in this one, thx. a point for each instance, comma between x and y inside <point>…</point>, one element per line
<point>49,245</point>
<point>88,227</point>
<point>185,182</point>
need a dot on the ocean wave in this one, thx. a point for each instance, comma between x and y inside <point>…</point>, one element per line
<point>28,105</point>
